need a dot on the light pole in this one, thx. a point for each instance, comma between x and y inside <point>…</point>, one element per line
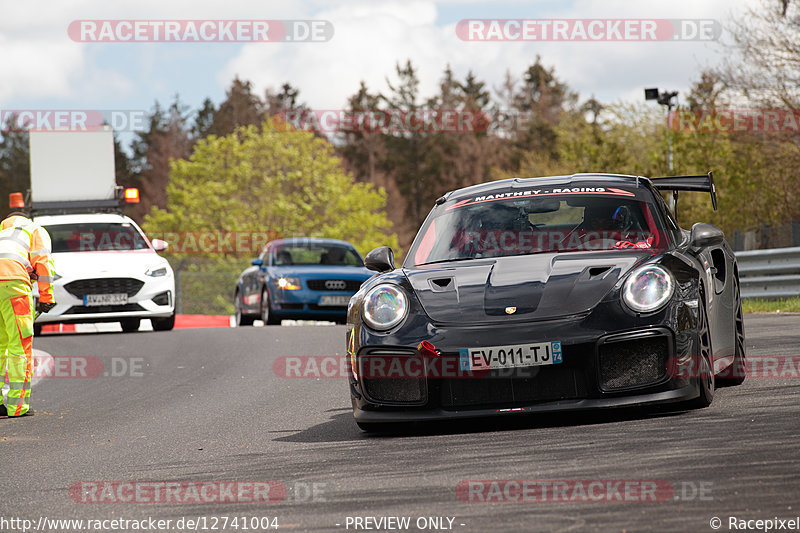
<point>665,98</point>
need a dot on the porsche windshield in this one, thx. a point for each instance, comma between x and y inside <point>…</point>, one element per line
<point>495,225</point>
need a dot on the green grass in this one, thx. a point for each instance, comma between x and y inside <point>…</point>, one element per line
<point>758,305</point>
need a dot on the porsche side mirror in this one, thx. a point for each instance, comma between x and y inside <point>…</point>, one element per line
<point>705,235</point>
<point>381,259</point>
<point>257,262</point>
<point>159,245</point>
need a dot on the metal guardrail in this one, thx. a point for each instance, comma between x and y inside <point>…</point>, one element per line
<point>770,274</point>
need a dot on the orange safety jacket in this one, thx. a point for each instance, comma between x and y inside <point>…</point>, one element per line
<point>25,254</point>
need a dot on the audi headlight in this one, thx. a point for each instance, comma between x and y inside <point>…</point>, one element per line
<point>156,272</point>
<point>385,306</point>
<point>648,288</point>
<point>289,284</point>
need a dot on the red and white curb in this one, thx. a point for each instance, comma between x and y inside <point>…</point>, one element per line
<point>181,322</point>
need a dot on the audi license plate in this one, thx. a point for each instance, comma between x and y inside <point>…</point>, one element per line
<point>511,356</point>
<point>330,300</point>
<point>105,299</point>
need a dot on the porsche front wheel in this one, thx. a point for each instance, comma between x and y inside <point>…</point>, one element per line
<point>737,372</point>
<point>703,364</point>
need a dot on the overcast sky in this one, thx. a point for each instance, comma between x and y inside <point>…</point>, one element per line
<point>44,68</point>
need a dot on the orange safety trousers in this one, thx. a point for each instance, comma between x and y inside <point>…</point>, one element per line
<point>16,343</point>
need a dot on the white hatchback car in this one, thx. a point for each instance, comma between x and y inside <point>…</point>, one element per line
<point>107,271</point>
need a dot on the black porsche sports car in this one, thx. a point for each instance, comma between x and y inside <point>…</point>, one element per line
<point>547,294</point>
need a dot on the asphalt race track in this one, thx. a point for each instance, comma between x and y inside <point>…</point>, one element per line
<point>205,407</point>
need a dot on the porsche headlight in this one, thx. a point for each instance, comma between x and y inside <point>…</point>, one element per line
<point>648,288</point>
<point>385,306</point>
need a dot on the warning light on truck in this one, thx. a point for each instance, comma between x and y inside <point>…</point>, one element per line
<point>15,200</point>
<point>132,196</point>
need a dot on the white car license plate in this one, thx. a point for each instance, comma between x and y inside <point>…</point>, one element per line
<point>510,356</point>
<point>330,300</point>
<point>105,299</point>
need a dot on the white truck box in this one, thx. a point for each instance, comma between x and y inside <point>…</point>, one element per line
<point>71,166</point>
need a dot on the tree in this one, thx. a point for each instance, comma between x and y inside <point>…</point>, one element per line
<point>204,120</point>
<point>167,138</point>
<point>240,108</point>
<point>263,179</point>
<point>405,149</point>
<point>763,71</point>
<point>15,164</point>
<point>287,99</point>
<point>266,179</point>
<point>764,63</point>
<point>541,100</point>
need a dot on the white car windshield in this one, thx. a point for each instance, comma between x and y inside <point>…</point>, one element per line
<point>96,237</point>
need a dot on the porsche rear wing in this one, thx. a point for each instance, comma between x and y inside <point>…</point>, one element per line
<point>701,183</point>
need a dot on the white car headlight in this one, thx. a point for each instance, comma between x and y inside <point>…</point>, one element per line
<point>156,272</point>
<point>648,288</point>
<point>385,306</point>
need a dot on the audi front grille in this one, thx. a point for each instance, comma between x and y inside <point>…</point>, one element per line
<point>349,285</point>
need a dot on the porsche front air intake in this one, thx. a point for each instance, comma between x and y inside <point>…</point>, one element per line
<point>633,362</point>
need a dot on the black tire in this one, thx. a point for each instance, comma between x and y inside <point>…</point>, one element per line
<point>129,325</point>
<point>266,313</point>
<point>163,324</point>
<point>737,372</point>
<point>703,365</point>
<point>241,318</point>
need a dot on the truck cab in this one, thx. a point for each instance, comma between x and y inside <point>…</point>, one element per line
<point>106,270</point>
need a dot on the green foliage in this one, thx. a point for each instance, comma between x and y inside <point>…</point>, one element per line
<point>783,305</point>
<point>273,179</point>
<point>269,179</point>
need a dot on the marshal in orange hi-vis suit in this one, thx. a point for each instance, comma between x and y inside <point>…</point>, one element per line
<point>25,255</point>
